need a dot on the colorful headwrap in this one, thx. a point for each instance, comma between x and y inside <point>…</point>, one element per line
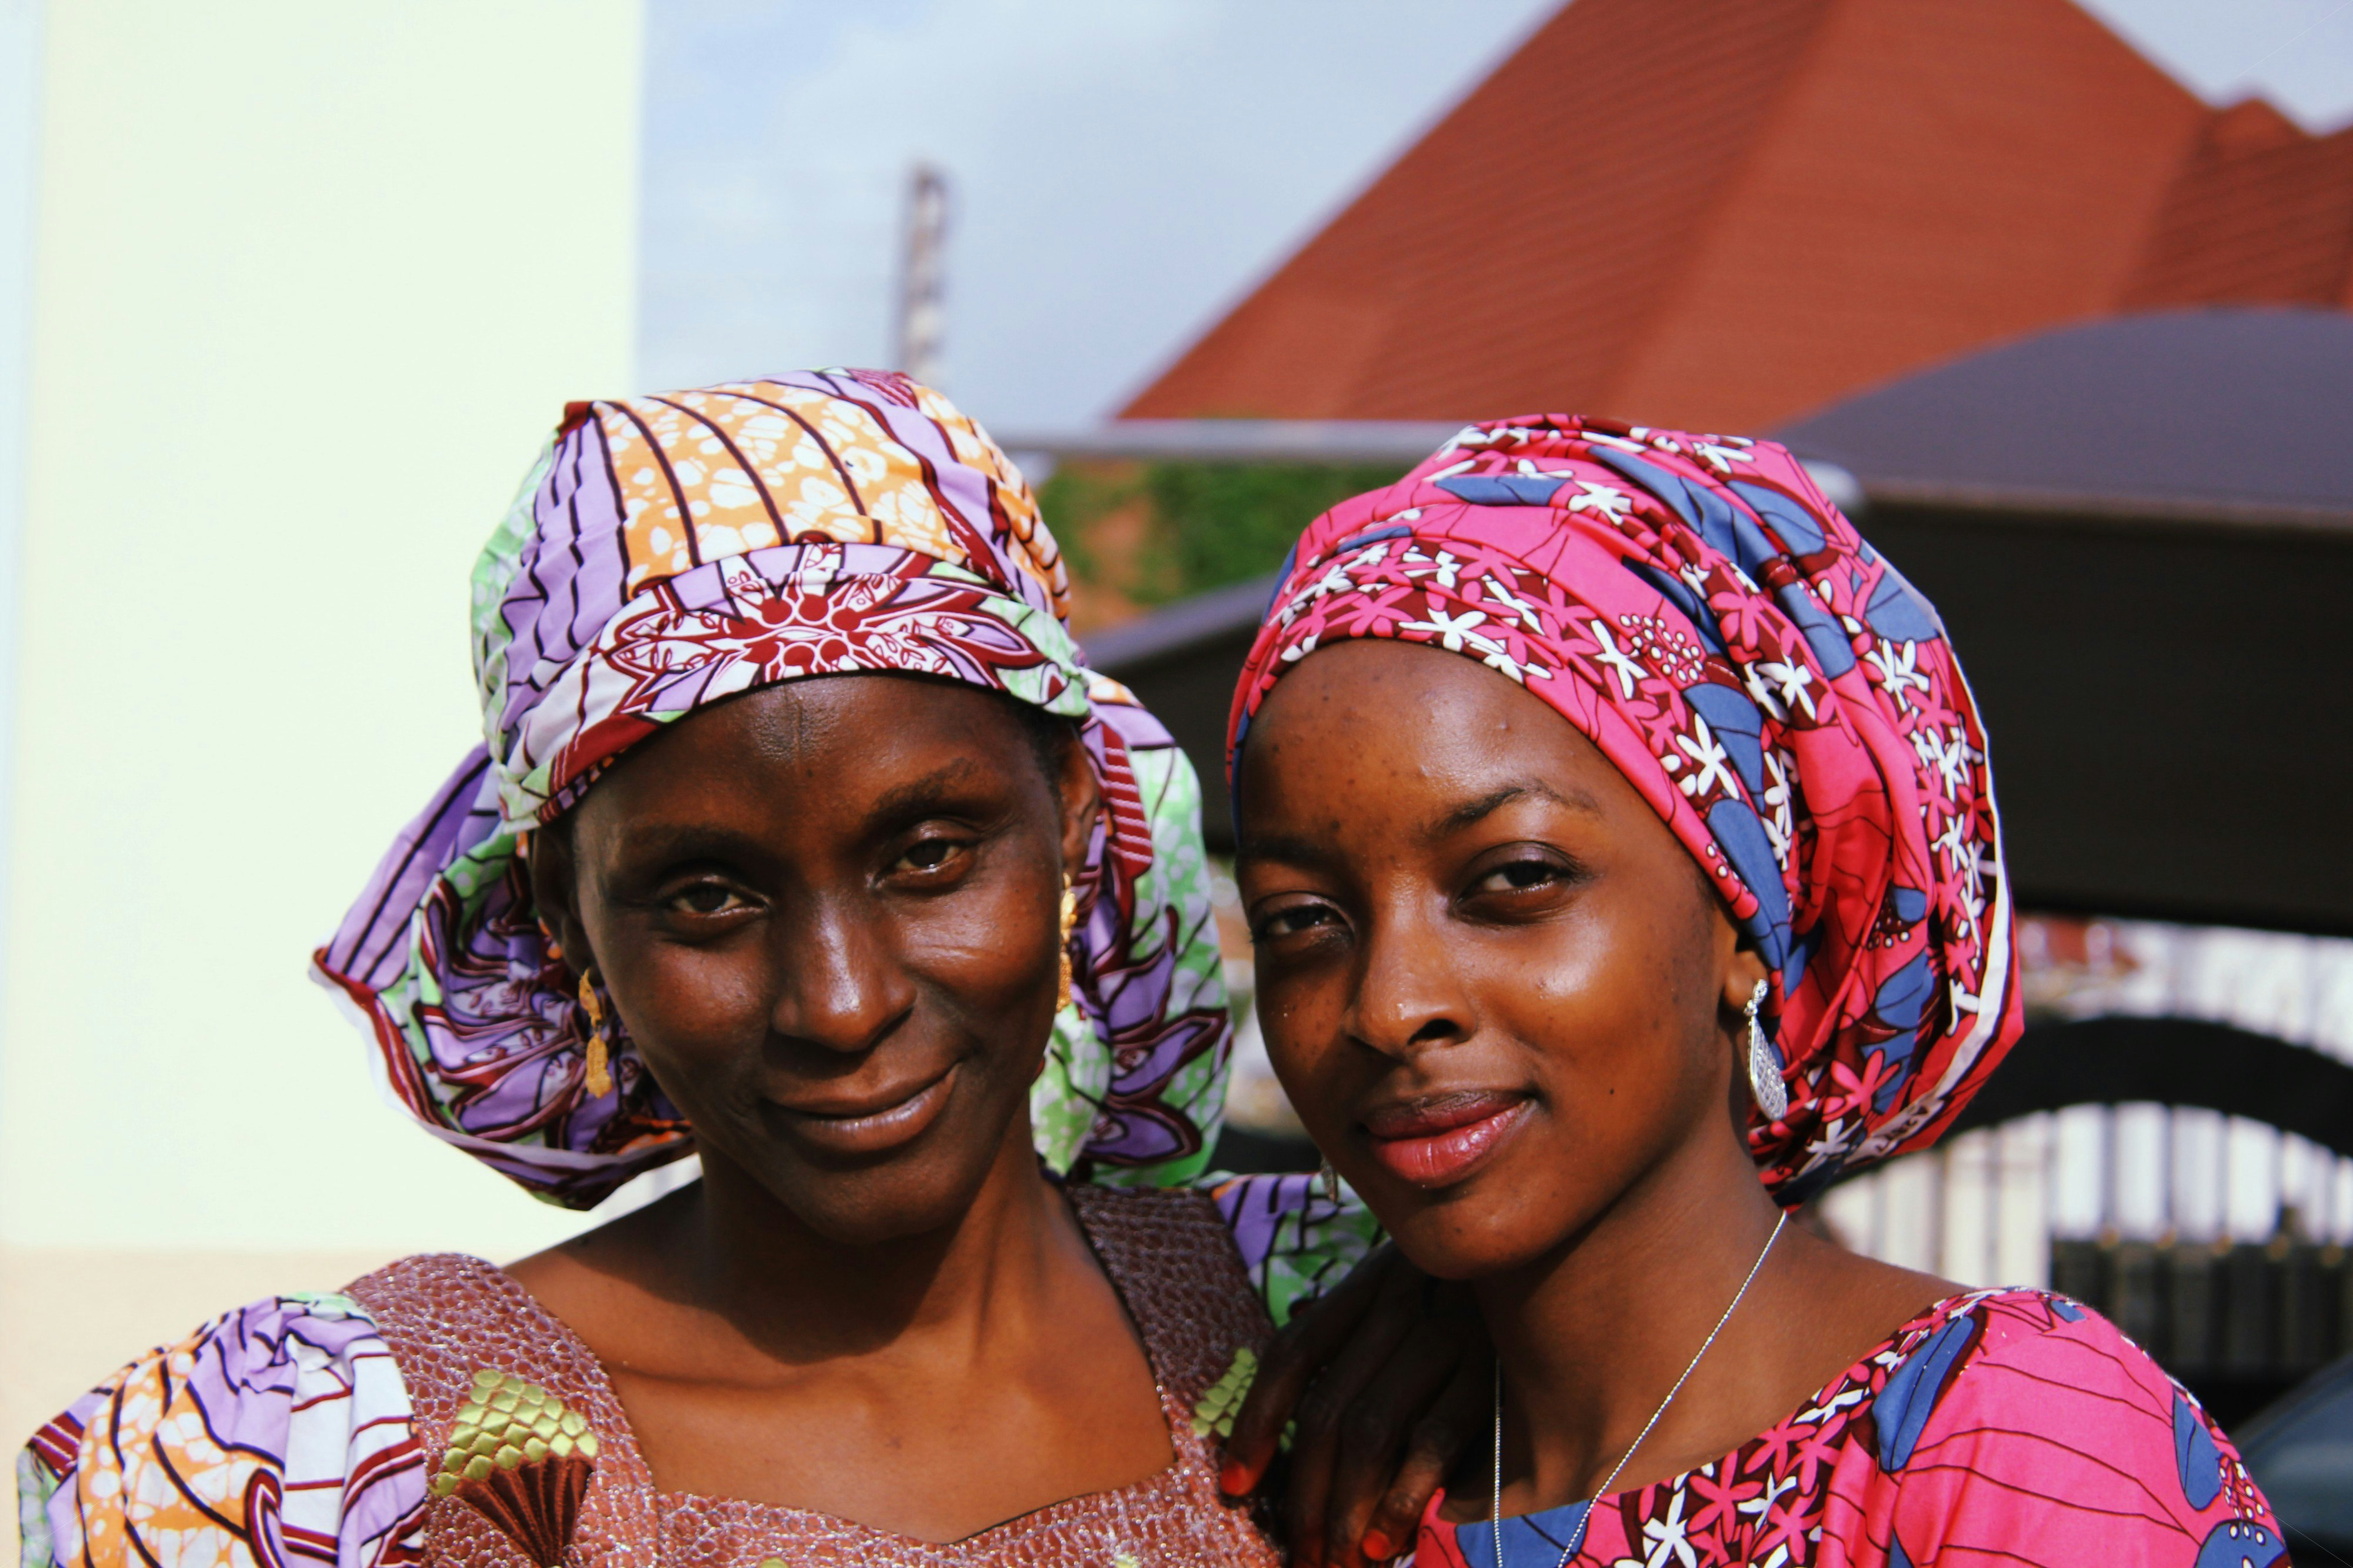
<point>666,552</point>
<point>1785,701</point>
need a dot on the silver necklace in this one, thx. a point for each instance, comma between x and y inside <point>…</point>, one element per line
<point>1577,1541</point>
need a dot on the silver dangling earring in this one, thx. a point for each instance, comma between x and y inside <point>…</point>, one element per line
<point>1329,1180</point>
<point>1765,1079</point>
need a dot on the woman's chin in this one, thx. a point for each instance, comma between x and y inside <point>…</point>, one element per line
<point>1449,1244</point>
<point>888,1201</point>
<point>910,1188</point>
<point>1508,1217</point>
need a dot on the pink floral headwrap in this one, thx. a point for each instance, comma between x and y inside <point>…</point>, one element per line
<point>1784,699</point>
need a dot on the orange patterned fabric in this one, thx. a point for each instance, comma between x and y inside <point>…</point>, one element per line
<point>716,472</point>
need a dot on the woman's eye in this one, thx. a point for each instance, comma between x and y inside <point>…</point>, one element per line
<point>930,855</point>
<point>1518,877</point>
<point>1291,920</point>
<point>709,899</point>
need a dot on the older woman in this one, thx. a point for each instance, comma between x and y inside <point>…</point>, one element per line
<point>1616,830</point>
<point>802,839</point>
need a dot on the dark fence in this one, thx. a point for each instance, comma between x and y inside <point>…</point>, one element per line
<point>2240,1324</point>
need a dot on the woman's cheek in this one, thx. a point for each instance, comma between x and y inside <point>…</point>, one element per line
<point>994,959</point>
<point>1300,1030</point>
<point>698,1007</point>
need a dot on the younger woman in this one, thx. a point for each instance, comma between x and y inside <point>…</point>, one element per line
<point>1616,831</point>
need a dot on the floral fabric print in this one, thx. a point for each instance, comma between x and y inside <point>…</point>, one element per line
<point>1296,1243</point>
<point>666,552</point>
<point>277,1434</point>
<point>2002,1427</point>
<point>283,1433</point>
<point>1784,699</point>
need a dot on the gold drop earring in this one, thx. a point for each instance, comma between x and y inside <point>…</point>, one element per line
<point>600,1070</point>
<point>1070,919</point>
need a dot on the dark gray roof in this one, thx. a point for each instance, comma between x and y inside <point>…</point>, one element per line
<point>2246,407</point>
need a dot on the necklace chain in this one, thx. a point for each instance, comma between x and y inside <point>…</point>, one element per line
<point>1576,1540</point>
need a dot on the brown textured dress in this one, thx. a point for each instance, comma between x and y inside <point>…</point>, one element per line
<point>448,1318</point>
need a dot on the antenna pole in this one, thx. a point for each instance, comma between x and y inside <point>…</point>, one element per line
<point>921,274</point>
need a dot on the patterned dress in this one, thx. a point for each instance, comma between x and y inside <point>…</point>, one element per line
<point>318,1429</point>
<point>2000,1426</point>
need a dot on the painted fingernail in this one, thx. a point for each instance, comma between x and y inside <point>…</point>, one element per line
<point>1235,1479</point>
<point>1376,1546</point>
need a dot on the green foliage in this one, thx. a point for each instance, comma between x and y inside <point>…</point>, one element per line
<point>1215,523</point>
<point>1076,497</point>
<point>1206,524</point>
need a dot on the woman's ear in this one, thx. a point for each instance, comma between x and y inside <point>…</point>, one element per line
<point>1743,971</point>
<point>1081,800</point>
<point>553,890</point>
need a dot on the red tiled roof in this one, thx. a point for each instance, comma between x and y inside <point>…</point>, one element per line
<point>1718,214</point>
<point>2261,214</point>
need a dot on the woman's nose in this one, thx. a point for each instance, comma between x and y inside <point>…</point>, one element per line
<point>842,990</point>
<point>1408,995</point>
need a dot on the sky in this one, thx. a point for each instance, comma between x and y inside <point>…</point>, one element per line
<point>1121,172</point>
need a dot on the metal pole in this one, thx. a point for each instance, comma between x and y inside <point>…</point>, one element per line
<point>922,280</point>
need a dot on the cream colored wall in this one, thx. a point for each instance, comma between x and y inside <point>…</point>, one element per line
<point>310,282</point>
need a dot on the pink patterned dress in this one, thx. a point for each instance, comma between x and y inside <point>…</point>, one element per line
<point>338,1430</point>
<point>1996,1427</point>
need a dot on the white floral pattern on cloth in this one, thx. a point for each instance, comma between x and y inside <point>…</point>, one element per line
<point>277,1434</point>
<point>2001,1425</point>
<point>666,552</point>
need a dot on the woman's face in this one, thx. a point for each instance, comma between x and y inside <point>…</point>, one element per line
<point>829,914</point>
<point>1490,979</point>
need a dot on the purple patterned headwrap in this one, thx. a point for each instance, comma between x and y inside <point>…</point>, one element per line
<point>670,551</point>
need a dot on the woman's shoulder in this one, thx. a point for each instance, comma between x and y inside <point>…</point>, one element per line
<point>282,1421</point>
<point>2041,1361</point>
<point>2012,1416</point>
<point>1174,1261</point>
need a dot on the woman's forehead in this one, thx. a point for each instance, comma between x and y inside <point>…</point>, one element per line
<point>1414,733</point>
<point>827,746</point>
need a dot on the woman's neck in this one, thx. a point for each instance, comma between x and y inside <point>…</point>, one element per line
<point>1593,1336</point>
<point>797,1295</point>
<point>926,1384</point>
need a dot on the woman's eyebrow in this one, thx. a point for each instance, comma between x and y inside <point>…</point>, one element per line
<point>1288,849</point>
<point>667,841</point>
<point>942,786</point>
<point>1472,810</point>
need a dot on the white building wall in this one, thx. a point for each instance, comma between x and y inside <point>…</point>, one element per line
<point>309,283</point>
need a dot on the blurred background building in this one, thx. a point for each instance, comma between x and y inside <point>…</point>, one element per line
<point>2074,345</point>
<point>2059,295</point>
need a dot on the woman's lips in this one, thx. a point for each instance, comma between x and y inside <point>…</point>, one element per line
<point>1438,1142</point>
<point>875,1127</point>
